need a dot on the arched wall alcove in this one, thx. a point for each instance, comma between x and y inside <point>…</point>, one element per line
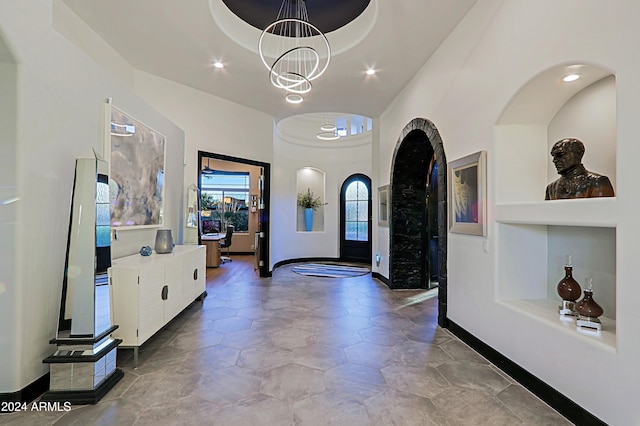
<point>521,163</point>
<point>417,146</point>
<point>311,179</point>
<point>534,236</point>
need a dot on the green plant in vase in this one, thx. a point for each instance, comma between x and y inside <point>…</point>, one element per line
<point>310,204</point>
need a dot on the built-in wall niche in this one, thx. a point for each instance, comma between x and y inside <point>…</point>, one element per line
<point>531,263</point>
<point>534,236</point>
<point>310,178</point>
<point>544,111</point>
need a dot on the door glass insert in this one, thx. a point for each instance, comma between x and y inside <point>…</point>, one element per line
<point>356,205</point>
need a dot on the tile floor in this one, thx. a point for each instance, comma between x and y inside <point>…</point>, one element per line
<point>298,350</point>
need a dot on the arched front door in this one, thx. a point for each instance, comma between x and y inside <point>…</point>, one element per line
<point>355,219</point>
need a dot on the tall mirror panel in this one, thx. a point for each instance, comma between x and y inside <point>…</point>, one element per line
<point>83,368</point>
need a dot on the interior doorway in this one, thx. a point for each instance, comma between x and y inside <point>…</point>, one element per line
<point>418,214</point>
<point>432,224</point>
<point>355,219</point>
<point>237,192</point>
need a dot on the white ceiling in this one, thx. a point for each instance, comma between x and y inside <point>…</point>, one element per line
<point>179,40</point>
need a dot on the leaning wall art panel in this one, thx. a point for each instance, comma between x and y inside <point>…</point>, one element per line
<point>136,156</point>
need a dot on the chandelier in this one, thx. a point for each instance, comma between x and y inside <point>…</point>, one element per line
<point>294,51</point>
<point>328,131</point>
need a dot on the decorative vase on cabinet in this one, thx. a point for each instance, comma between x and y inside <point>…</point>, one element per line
<point>164,241</point>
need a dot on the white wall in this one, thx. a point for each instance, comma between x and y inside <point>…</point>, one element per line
<point>463,89</point>
<point>60,111</point>
<point>210,123</point>
<point>84,38</point>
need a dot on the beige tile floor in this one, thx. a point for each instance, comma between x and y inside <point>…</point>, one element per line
<point>298,350</point>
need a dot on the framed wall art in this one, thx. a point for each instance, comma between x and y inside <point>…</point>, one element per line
<point>383,206</point>
<point>467,194</point>
<point>136,156</point>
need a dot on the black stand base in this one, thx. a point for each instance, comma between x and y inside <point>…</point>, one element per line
<point>83,397</point>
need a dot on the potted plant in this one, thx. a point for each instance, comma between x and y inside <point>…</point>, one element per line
<point>310,204</point>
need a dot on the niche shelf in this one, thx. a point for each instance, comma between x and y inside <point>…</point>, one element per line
<point>578,212</point>
<point>531,263</point>
<point>546,311</point>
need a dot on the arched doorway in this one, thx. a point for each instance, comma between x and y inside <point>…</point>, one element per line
<point>418,192</point>
<point>355,219</point>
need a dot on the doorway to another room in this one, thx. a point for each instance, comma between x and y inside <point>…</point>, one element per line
<point>418,214</point>
<point>234,196</point>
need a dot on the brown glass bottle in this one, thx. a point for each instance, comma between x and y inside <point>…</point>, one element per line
<point>568,287</point>
<point>588,307</point>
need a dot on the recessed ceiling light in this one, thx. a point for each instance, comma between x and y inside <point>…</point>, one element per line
<point>294,98</point>
<point>218,64</point>
<point>370,71</point>
<point>570,77</point>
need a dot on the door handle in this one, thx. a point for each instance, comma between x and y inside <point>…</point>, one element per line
<point>165,292</point>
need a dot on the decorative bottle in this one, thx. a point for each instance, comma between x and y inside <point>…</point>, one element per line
<point>568,289</point>
<point>587,308</point>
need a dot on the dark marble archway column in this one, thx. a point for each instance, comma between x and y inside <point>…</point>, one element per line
<point>416,146</point>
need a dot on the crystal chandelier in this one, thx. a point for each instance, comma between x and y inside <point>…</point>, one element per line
<point>294,51</point>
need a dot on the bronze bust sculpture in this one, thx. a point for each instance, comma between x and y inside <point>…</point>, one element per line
<point>575,181</point>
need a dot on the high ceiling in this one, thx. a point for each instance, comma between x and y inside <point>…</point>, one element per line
<point>179,41</point>
<point>328,15</point>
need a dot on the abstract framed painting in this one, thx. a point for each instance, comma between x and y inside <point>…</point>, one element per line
<point>136,156</point>
<point>467,194</point>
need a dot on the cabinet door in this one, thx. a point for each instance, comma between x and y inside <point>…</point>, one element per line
<point>173,280</point>
<point>194,274</point>
<point>124,292</point>
<point>151,305</point>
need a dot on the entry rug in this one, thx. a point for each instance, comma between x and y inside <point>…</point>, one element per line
<point>331,270</point>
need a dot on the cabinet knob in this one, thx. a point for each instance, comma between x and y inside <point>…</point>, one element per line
<point>165,292</point>
<point>195,274</point>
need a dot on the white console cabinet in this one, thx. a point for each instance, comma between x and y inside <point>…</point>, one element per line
<point>149,291</point>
